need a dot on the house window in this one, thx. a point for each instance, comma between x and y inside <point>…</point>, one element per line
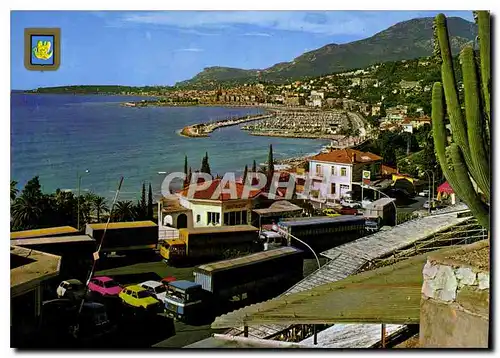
<point>213,218</point>
<point>343,171</point>
<point>333,170</point>
<point>235,218</point>
<point>198,218</point>
<point>332,188</point>
<point>318,169</point>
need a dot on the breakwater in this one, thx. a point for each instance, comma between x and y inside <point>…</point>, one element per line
<point>204,129</point>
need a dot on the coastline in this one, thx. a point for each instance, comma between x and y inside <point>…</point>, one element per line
<point>294,135</point>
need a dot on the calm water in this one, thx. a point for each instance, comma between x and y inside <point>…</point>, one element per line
<point>55,136</point>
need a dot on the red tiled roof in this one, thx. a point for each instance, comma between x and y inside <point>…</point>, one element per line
<point>388,170</point>
<point>207,194</point>
<point>345,156</point>
<point>422,119</point>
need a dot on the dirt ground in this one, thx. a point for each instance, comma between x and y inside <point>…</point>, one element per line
<point>478,258</point>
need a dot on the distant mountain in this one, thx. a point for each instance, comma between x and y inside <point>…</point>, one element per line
<point>405,40</point>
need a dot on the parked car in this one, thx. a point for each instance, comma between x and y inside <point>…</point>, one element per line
<point>345,210</point>
<point>138,297</point>
<point>424,193</point>
<point>71,289</point>
<point>104,286</point>
<point>168,279</point>
<point>330,212</point>
<point>350,203</point>
<point>60,319</point>
<point>157,289</point>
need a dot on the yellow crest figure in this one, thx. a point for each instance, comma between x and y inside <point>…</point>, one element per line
<point>42,49</point>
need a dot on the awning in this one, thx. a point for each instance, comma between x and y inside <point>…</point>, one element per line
<point>445,188</point>
<point>389,295</point>
<point>279,208</point>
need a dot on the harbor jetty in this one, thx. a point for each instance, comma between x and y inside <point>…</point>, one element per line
<point>204,129</point>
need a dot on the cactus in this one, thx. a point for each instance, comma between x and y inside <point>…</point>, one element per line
<point>466,161</point>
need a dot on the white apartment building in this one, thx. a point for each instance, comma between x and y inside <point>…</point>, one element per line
<point>334,172</point>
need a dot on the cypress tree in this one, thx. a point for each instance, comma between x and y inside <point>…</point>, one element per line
<point>150,203</point>
<point>207,164</point>
<point>190,174</point>
<point>245,172</point>
<point>270,164</point>
<point>254,167</point>
<point>186,169</point>
<point>142,204</point>
<point>203,168</point>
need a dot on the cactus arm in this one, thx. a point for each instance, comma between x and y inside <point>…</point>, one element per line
<point>439,135</point>
<point>439,130</point>
<point>465,188</point>
<point>475,129</point>
<point>483,22</point>
<point>454,110</point>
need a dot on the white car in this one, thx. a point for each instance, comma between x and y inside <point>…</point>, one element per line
<point>424,193</point>
<point>155,288</point>
<point>72,288</point>
<point>350,203</point>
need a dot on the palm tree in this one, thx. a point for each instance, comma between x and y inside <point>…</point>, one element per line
<point>13,190</point>
<point>26,213</point>
<point>28,208</point>
<point>100,206</point>
<point>123,211</point>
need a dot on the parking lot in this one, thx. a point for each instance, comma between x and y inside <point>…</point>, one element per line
<point>160,332</point>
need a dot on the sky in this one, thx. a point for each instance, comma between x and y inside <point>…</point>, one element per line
<point>141,48</point>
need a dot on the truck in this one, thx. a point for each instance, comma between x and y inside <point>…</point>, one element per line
<point>125,237</point>
<point>184,300</point>
<point>258,275</point>
<point>208,243</point>
<point>322,233</point>
<point>379,213</point>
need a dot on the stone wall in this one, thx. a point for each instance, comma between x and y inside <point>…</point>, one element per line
<point>454,310</point>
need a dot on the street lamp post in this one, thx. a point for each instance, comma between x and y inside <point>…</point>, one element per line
<point>277,229</point>
<point>430,202</point>
<point>384,194</point>
<point>79,177</point>
<point>433,181</point>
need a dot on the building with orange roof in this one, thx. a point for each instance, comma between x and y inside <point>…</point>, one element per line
<point>334,172</point>
<point>210,204</point>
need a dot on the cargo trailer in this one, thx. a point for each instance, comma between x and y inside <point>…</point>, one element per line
<point>210,243</point>
<point>125,237</point>
<point>322,233</point>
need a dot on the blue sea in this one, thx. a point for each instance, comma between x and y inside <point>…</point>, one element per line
<point>58,136</point>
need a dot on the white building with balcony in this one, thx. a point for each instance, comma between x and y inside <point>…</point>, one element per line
<point>333,173</point>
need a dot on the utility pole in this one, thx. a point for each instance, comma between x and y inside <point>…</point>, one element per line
<point>79,179</point>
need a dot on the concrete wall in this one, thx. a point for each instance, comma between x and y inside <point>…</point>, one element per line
<point>454,311</point>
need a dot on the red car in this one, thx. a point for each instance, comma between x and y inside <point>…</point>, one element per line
<point>168,279</point>
<point>105,286</point>
<point>348,211</point>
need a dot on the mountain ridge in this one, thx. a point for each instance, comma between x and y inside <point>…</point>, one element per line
<point>402,41</point>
